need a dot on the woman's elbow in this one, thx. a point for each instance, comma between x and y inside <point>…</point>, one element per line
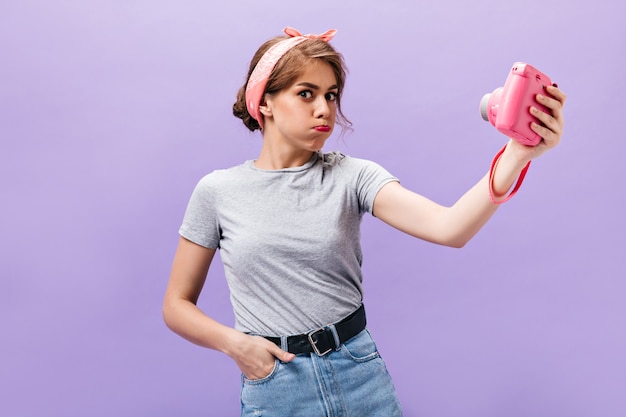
<point>459,245</point>
<point>455,244</point>
<point>168,312</point>
<point>451,240</point>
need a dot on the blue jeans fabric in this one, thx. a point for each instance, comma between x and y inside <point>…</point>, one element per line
<point>349,382</point>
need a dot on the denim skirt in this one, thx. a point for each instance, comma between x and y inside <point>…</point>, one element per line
<point>351,381</point>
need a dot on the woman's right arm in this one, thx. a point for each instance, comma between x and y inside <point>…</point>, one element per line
<point>253,355</point>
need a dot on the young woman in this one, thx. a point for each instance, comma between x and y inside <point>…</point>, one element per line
<point>287,227</point>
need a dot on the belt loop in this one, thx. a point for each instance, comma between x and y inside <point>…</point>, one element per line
<point>335,336</point>
<point>283,343</point>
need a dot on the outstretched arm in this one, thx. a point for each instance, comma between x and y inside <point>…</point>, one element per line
<point>455,226</point>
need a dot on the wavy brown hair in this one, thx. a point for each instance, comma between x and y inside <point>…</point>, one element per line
<point>287,70</point>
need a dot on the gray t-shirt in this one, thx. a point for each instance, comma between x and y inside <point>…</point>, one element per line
<point>289,239</point>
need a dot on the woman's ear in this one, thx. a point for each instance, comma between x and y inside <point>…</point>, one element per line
<point>265,110</point>
<point>265,107</point>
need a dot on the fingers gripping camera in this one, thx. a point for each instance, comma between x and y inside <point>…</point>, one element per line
<point>507,108</point>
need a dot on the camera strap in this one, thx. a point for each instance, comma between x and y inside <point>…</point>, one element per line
<point>518,183</point>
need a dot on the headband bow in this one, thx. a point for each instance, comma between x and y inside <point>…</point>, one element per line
<point>326,36</point>
<point>261,73</point>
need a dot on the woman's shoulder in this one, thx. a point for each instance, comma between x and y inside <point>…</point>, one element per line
<point>339,159</point>
<point>223,176</point>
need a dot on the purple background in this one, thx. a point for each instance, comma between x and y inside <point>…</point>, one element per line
<point>110,111</point>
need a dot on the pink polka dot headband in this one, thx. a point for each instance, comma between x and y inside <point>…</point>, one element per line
<point>261,73</point>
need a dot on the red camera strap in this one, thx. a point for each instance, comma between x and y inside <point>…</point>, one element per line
<point>518,183</point>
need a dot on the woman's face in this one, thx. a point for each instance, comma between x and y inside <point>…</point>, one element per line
<point>302,116</point>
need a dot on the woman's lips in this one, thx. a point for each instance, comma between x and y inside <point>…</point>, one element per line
<point>322,128</point>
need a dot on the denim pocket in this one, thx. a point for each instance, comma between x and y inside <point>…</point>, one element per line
<point>249,381</point>
<point>361,348</point>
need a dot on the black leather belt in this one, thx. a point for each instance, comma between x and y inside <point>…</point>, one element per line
<point>321,341</point>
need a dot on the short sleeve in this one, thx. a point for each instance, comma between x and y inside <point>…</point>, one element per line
<point>200,222</point>
<point>371,177</point>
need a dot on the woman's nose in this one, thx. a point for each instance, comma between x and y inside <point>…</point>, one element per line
<point>322,109</point>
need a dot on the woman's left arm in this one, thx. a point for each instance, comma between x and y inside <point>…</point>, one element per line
<point>455,226</point>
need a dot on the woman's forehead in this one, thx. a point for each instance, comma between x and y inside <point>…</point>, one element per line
<point>319,74</point>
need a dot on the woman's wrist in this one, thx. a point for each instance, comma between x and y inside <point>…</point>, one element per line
<point>230,340</point>
<point>507,169</point>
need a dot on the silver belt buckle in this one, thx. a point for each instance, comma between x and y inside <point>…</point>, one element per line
<point>314,344</point>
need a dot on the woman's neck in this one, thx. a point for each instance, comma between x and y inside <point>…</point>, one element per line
<point>272,158</point>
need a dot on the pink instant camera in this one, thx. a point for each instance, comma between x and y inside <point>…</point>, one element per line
<point>507,108</point>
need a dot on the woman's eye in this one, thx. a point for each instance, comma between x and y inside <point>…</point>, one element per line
<point>306,94</point>
<point>331,96</point>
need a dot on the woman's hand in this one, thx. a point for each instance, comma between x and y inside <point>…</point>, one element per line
<point>255,355</point>
<point>551,130</point>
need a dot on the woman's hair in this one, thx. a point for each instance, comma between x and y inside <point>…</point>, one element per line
<point>288,69</point>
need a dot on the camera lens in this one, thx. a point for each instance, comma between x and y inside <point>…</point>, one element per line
<point>484,107</point>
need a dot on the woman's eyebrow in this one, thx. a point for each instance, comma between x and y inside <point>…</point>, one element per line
<point>314,86</point>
